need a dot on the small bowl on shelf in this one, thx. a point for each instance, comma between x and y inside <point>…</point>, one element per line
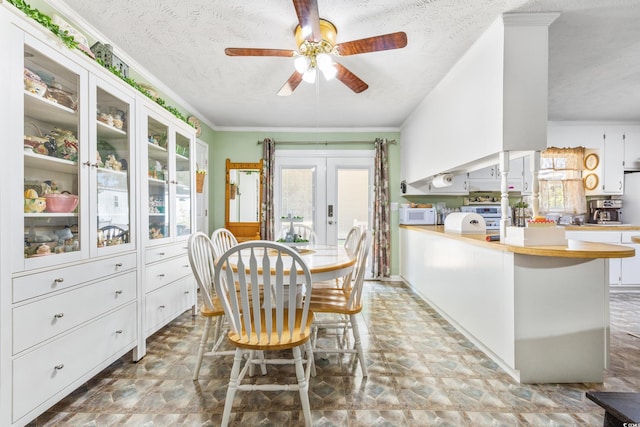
<point>61,202</point>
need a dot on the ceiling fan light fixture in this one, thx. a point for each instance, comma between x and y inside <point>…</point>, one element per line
<point>309,76</point>
<point>301,63</point>
<point>329,72</point>
<point>324,61</point>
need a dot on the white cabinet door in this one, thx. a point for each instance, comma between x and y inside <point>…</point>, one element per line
<point>458,187</point>
<point>632,150</point>
<point>630,268</point>
<point>613,167</point>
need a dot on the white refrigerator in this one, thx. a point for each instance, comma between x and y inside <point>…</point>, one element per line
<point>631,199</point>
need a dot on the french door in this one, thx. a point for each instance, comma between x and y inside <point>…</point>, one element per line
<point>331,191</point>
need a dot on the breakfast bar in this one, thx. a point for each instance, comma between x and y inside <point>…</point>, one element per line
<point>540,312</point>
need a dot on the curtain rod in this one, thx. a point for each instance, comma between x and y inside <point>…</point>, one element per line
<point>323,142</point>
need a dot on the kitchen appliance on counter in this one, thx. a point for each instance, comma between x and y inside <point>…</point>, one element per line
<point>417,216</point>
<point>490,213</point>
<point>464,223</point>
<point>605,211</point>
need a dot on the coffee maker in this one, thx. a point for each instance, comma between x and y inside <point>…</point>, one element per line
<point>605,211</point>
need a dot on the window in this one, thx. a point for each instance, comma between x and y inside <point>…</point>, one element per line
<point>561,186</point>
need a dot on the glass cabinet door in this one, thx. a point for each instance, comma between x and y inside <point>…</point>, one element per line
<point>158,179</point>
<point>183,185</point>
<point>112,153</point>
<point>53,195</point>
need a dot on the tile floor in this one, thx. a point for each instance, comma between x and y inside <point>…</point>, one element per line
<point>422,372</point>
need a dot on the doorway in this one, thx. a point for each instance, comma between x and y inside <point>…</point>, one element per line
<point>330,191</point>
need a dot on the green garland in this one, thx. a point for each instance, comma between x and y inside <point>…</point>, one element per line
<point>71,43</point>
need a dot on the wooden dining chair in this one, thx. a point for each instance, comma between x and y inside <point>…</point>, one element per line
<point>351,241</point>
<point>279,320</point>
<point>222,240</point>
<point>201,258</point>
<point>344,303</point>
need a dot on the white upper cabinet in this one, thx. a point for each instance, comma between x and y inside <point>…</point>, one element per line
<point>632,149</point>
<point>613,164</point>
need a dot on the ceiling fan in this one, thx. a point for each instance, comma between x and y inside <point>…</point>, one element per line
<point>316,41</point>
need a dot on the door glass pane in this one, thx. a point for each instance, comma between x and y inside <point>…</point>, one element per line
<point>353,200</point>
<point>158,180</point>
<point>183,185</point>
<point>297,198</point>
<point>51,152</point>
<point>112,170</point>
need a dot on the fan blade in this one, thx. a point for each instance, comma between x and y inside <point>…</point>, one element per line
<point>351,80</point>
<point>309,18</point>
<point>241,51</point>
<point>291,84</point>
<point>373,44</point>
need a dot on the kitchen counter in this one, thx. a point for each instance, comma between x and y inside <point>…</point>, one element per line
<point>541,313</point>
<point>597,227</point>
<point>587,250</point>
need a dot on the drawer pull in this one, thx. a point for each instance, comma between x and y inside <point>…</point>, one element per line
<point>59,280</point>
<point>60,366</point>
<point>119,331</point>
<point>161,275</point>
<point>162,306</point>
<point>118,264</point>
<point>118,292</point>
<point>161,254</point>
<point>186,292</point>
<point>58,315</point>
<point>186,266</point>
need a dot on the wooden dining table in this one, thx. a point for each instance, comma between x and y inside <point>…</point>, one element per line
<point>325,262</point>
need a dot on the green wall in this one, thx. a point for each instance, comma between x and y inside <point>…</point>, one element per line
<point>243,147</point>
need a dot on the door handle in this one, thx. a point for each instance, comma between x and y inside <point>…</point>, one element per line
<point>330,222</point>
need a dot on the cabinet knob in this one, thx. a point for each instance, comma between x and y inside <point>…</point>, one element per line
<point>186,292</point>
<point>119,264</point>
<point>58,315</point>
<point>119,331</point>
<point>162,306</point>
<point>161,254</point>
<point>118,292</point>
<point>59,280</point>
<point>161,275</point>
<point>60,366</point>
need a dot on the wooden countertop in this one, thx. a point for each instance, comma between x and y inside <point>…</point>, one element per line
<point>586,250</point>
<point>595,227</point>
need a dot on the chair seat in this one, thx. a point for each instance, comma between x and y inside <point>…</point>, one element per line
<point>328,300</point>
<point>217,308</point>
<point>270,340</point>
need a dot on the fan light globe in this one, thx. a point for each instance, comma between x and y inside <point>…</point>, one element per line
<point>324,61</point>
<point>329,72</point>
<point>301,63</point>
<point>310,75</point>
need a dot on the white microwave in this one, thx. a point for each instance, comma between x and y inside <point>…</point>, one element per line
<point>418,216</point>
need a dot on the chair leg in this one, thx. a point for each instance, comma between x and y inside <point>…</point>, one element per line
<point>202,349</point>
<point>233,386</point>
<point>358,344</point>
<point>311,362</point>
<point>303,386</point>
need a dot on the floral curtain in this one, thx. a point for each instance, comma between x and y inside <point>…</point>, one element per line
<point>267,219</point>
<point>381,257</point>
<point>560,178</point>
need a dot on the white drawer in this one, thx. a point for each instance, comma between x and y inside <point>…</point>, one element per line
<point>165,304</point>
<point>594,236</point>
<point>163,273</point>
<point>40,320</point>
<point>165,252</point>
<point>33,285</point>
<point>52,368</point>
<point>627,235</point>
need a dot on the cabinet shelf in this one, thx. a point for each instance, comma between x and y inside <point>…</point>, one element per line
<point>34,160</point>
<point>51,215</point>
<point>43,109</point>
<point>156,148</point>
<point>106,131</point>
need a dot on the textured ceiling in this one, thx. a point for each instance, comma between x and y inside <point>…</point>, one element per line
<point>594,69</point>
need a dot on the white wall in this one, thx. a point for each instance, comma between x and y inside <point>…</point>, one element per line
<point>494,99</point>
